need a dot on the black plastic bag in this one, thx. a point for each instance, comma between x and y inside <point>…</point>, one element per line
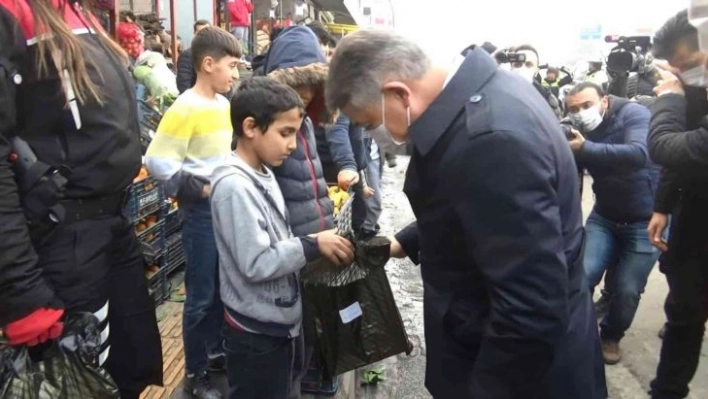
<point>370,254</point>
<point>64,369</point>
<point>357,324</point>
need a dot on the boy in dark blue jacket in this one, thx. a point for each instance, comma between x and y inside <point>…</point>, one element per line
<point>612,145</point>
<point>296,60</point>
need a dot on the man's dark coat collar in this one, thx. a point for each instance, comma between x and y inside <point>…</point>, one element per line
<point>476,69</point>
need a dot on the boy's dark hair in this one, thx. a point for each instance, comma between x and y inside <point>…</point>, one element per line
<point>262,99</point>
<point>200,22</point>
<point>213,42</point>
<point>322,33</point>
<point>676,30</point>
<point>586,85</point>
<point>152,44</point>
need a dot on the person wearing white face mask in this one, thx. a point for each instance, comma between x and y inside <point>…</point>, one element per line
<point>498,231</point>
<point>611,144</point>
<point>529,71</point>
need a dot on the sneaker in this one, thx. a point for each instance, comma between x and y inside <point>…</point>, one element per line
<point>602,306</point>
<point>662,332</point>
<point>199,386</point>
<point>611,352</point>
<point>217,363</point>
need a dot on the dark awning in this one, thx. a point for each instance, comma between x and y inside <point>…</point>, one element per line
<point>336,7</point>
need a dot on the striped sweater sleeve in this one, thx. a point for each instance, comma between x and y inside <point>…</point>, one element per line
<point>167,153</point>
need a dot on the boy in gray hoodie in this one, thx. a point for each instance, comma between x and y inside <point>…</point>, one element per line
<point>259,258</point>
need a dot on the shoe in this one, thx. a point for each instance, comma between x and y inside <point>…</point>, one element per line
<point>217,363</point>
<point>329,387</point>
<point>199,386</point>
<point>662,332</point>
<point>602,306</point>
<point>611,352</point>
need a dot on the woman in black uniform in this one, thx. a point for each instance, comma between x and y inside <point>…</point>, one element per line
<point>66,91</point>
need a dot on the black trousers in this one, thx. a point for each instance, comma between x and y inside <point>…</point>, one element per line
<point>686,310</point>
<point>93,262</point>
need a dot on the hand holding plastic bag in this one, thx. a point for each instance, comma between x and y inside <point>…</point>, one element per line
<point>65,369</point>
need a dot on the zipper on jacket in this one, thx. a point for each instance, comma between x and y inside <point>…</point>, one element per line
<point>313,177</point>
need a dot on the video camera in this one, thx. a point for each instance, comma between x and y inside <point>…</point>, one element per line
<point>629,59</point>
<point>630,53</point>
<point>504,57</point>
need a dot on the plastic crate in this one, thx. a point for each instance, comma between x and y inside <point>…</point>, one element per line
<point>159,288</point>
<point>149,121</point>
<point>172,219</point>
<point>174,253</point>
<point>146,197</point>
<point>152,240</point>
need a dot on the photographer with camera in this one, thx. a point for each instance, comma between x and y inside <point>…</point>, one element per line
<point>610,142</point>
<point>678,140</point>
<point>524,61</point>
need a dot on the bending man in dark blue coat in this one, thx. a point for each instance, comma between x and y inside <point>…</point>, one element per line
<point>499,231</point>
<point>612,146</point>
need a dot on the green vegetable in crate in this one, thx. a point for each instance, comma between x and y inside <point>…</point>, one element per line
<point>152,71</point>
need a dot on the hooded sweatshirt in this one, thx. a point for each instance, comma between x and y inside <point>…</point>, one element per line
<point>259,259</point>
<point>296,59</point>
<point>616,156</point>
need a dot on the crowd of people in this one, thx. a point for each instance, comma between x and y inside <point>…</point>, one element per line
<point>508,266</point>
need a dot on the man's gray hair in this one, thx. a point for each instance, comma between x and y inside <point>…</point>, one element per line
<point>367,59</point>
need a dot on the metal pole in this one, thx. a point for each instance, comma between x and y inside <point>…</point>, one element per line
<point>173,31</point>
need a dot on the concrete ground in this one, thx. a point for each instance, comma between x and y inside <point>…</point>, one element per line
<point>405,375</point>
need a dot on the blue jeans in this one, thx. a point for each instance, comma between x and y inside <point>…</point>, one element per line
<point>625,248</point>
<point>258,366</point>
<point>373,204</point>
<point>241,34</point>
<point>203,310</point>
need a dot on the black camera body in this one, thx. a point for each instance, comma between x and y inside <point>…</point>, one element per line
<point>567,128</point>
<point>626,61</point>
<point>508,57</point>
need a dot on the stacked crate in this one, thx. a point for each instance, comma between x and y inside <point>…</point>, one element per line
<point>145,210</point>
<point>174,254</point>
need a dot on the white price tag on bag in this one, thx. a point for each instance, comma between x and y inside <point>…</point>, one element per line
<point>350,313</point>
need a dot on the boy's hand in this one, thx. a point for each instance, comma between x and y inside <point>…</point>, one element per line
<point>335,248</point>
<point>347,178</point>
<point>206,191</point>
<point>368,192</point>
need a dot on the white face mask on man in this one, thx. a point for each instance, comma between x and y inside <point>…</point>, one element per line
<point>695,76</point>
<point>383,120</point>
<point>526,73</point>
<point>589,119</point>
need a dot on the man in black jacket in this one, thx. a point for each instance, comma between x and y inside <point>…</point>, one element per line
<point>499,230</point>
<point>683,150</point>
<point>186,75</point>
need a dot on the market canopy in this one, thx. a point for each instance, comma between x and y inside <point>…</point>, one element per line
<point>336,7</point>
